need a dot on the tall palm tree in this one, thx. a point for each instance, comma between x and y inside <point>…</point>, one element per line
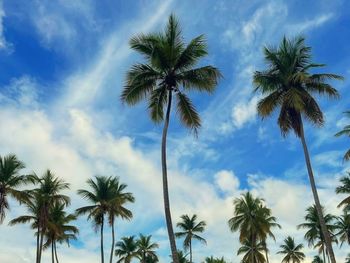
<point>117,207</point>
<point>345,131</point>
<point>146,248</point>
<point>59,229</point>
<point>253,220</point>
<point>253,252</point>
<point>101,194</point>
<point>169,71</point>
<point>344,189</point>
<point>291,251</point>
<point>314,235</point>
<point>288,84</point>
<point>126,249</point>
<point>10,180</point>
<point>48,192</point>
<point>189,227</point>
<point>342,227</point>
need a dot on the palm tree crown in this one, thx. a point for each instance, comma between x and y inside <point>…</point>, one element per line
<point>253,252</point>
<point>345,131</point>
<point>342,226</point>
<point>10,180</point>
<point>291,251</point>
<point>146,248</point>
<point>126,249</point>
<point>344,189</point>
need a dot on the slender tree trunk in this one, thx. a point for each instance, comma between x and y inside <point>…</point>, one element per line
<point>113,241</point>
<point>102,253</point>
<point>315,194</point>
<point>190,251</point>
<point>52,252</point>
<point>266,255</point>
<point>165,185</point>
<point>56,253</point>
<point>37,244</point>
<point>41,243</point>
<point>324,255</point>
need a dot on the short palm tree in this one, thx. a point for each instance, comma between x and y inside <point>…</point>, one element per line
<point>10,180</point>
<point>287,84</point>
<point>181,256</point>
<point>146,248</point>
<point>169,71</point>
<point>291,251</point>
<point>126,249</point>
<point>102,194</point>
<point>59,229</point>
<point>314,235</point>
<point>253,252</point>
<point>344,188</point>
<point>345,131</point>
<point>253,220</point>
<point>211,259</point>
<point>317,259</point>
<point>342,228</point>
<point>189,229</point>
<point>119,198</point>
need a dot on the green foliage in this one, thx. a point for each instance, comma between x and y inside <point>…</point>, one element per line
<point>146,249</point>
<point>252,252</point>
<point>345,131</point>
<point>127,249</point>
<point>211,259</point>
<point>344,188</point>
<point>292,252</point>
<point>288,84</point>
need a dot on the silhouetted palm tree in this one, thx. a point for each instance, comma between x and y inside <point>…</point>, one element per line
<point>126,249</point>
<point>314,235</point>
<point>169,71</point>
<point>345,131</point>
<point>317,259</point>
<point>182,257</point>
<point>146,248</point>
<point>189,228</point>
<point>291,251</point>
<point>10,180</point>
<point>59,228</point>
<point>214,260</point>
<point>253,252</point>
<point>342,228</point>
<point>288,84</point>
<point>344,189</point>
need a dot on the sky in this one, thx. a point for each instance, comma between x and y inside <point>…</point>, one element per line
<point>63,65</point>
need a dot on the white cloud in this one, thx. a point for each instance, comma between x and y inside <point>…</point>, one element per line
<point>310,23</point>
<point>244,112</point>
<point>4,45</point>
<point>227,181</point>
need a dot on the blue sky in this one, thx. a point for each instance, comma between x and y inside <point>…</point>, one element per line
<point>63,66</point>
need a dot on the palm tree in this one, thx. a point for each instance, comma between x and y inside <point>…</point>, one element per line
<point>101,194</point>
<point>291,251</point>
<point>344,189</point>
<point>189,227</point>
<point>10,180</point>
<point>169,70</point>
<point>253,252</point>
<point>58,229</point>
<point>211,259</point>
<point>317,259</point>
<point>288,84</point>
<point>181,256</point>
<point>117,207</point>
<point>345,131</point>
<point>126,249</point>
<point>347,259</point>
<point>342,226</point>
<point>48,193</point>
<point>253,220</point>
<point>314,236</point>
<point>146,248</point>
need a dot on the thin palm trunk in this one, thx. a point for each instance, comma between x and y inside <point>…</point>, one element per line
<point>266,255</point>
<point>315,194</point>
<point>56,253</point>
<point>113,241</point>
<point>190,250</point>
<point>324,255</point>
<point>165,185</point>
<point>41,243</point>
<point>52,252</point>
<point>37,244</point>
<point>102,253</point>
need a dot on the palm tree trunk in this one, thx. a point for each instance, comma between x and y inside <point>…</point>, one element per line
<point>52,252</point>
<point>324,255</point>
<point>165,185</point>
<point>113,241</point>
<point>37,244</point>
<point>190,251</point>
<point>266,255</point>
<point>56,253</point>
<point>41,243</point>
<point>102,253</point>
<point>315,194</point>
